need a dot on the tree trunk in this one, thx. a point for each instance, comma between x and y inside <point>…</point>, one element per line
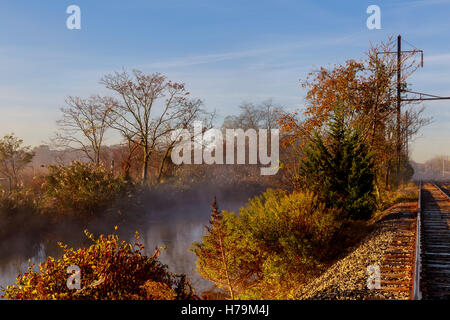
<point>97,158</point>
<point>225,265</point>
<point>126,171</point>
<point>145,166</point>
<point>161,166</point>
<point>387,175</point>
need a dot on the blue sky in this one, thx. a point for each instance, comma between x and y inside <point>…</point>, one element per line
<point>225,51</point>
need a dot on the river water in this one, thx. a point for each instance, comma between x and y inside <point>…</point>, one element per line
<point>172,223</point>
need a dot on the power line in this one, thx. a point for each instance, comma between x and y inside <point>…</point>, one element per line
<point>430,97</point>
<point>422,96</point>
<point>410,44</point>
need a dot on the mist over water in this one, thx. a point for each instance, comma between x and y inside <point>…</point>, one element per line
<point>175,220</point>
<point>166,217</point>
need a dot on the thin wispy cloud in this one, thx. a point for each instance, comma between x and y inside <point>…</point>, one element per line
<point>292,45</point>
<point>427,3</point>
<point>440,59</point>
<point>415,4</point>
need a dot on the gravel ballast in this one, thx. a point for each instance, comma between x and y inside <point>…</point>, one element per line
<point>347,278</point>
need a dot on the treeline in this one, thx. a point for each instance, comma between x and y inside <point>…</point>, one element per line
<point>437,168</point>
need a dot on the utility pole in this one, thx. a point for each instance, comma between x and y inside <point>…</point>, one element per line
<point>443,165</point>
<point>400,140</point>
<point>421,96</point>
<point>399,100</point>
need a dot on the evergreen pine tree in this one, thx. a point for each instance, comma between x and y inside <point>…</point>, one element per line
<point>213,252</point>
<point>338,167</point>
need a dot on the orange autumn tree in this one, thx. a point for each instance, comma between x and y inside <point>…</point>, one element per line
<point>365,90</point>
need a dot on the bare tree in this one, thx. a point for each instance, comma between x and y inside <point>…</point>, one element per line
<point>151,107</point>
<point>84,123</point>
<point>251,116</point>
<point>13,157</point>
<point>192,112</point>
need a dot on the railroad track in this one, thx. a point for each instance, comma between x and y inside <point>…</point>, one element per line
<point>432,254</point>
<point>397,266</point>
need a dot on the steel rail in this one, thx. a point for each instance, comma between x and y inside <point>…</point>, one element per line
<point>442,191</point>
<point>433,251</point>
<point>417,293</point>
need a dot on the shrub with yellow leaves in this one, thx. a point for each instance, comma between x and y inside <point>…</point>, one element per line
<point>110,269</point>
<point>81,188</point>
